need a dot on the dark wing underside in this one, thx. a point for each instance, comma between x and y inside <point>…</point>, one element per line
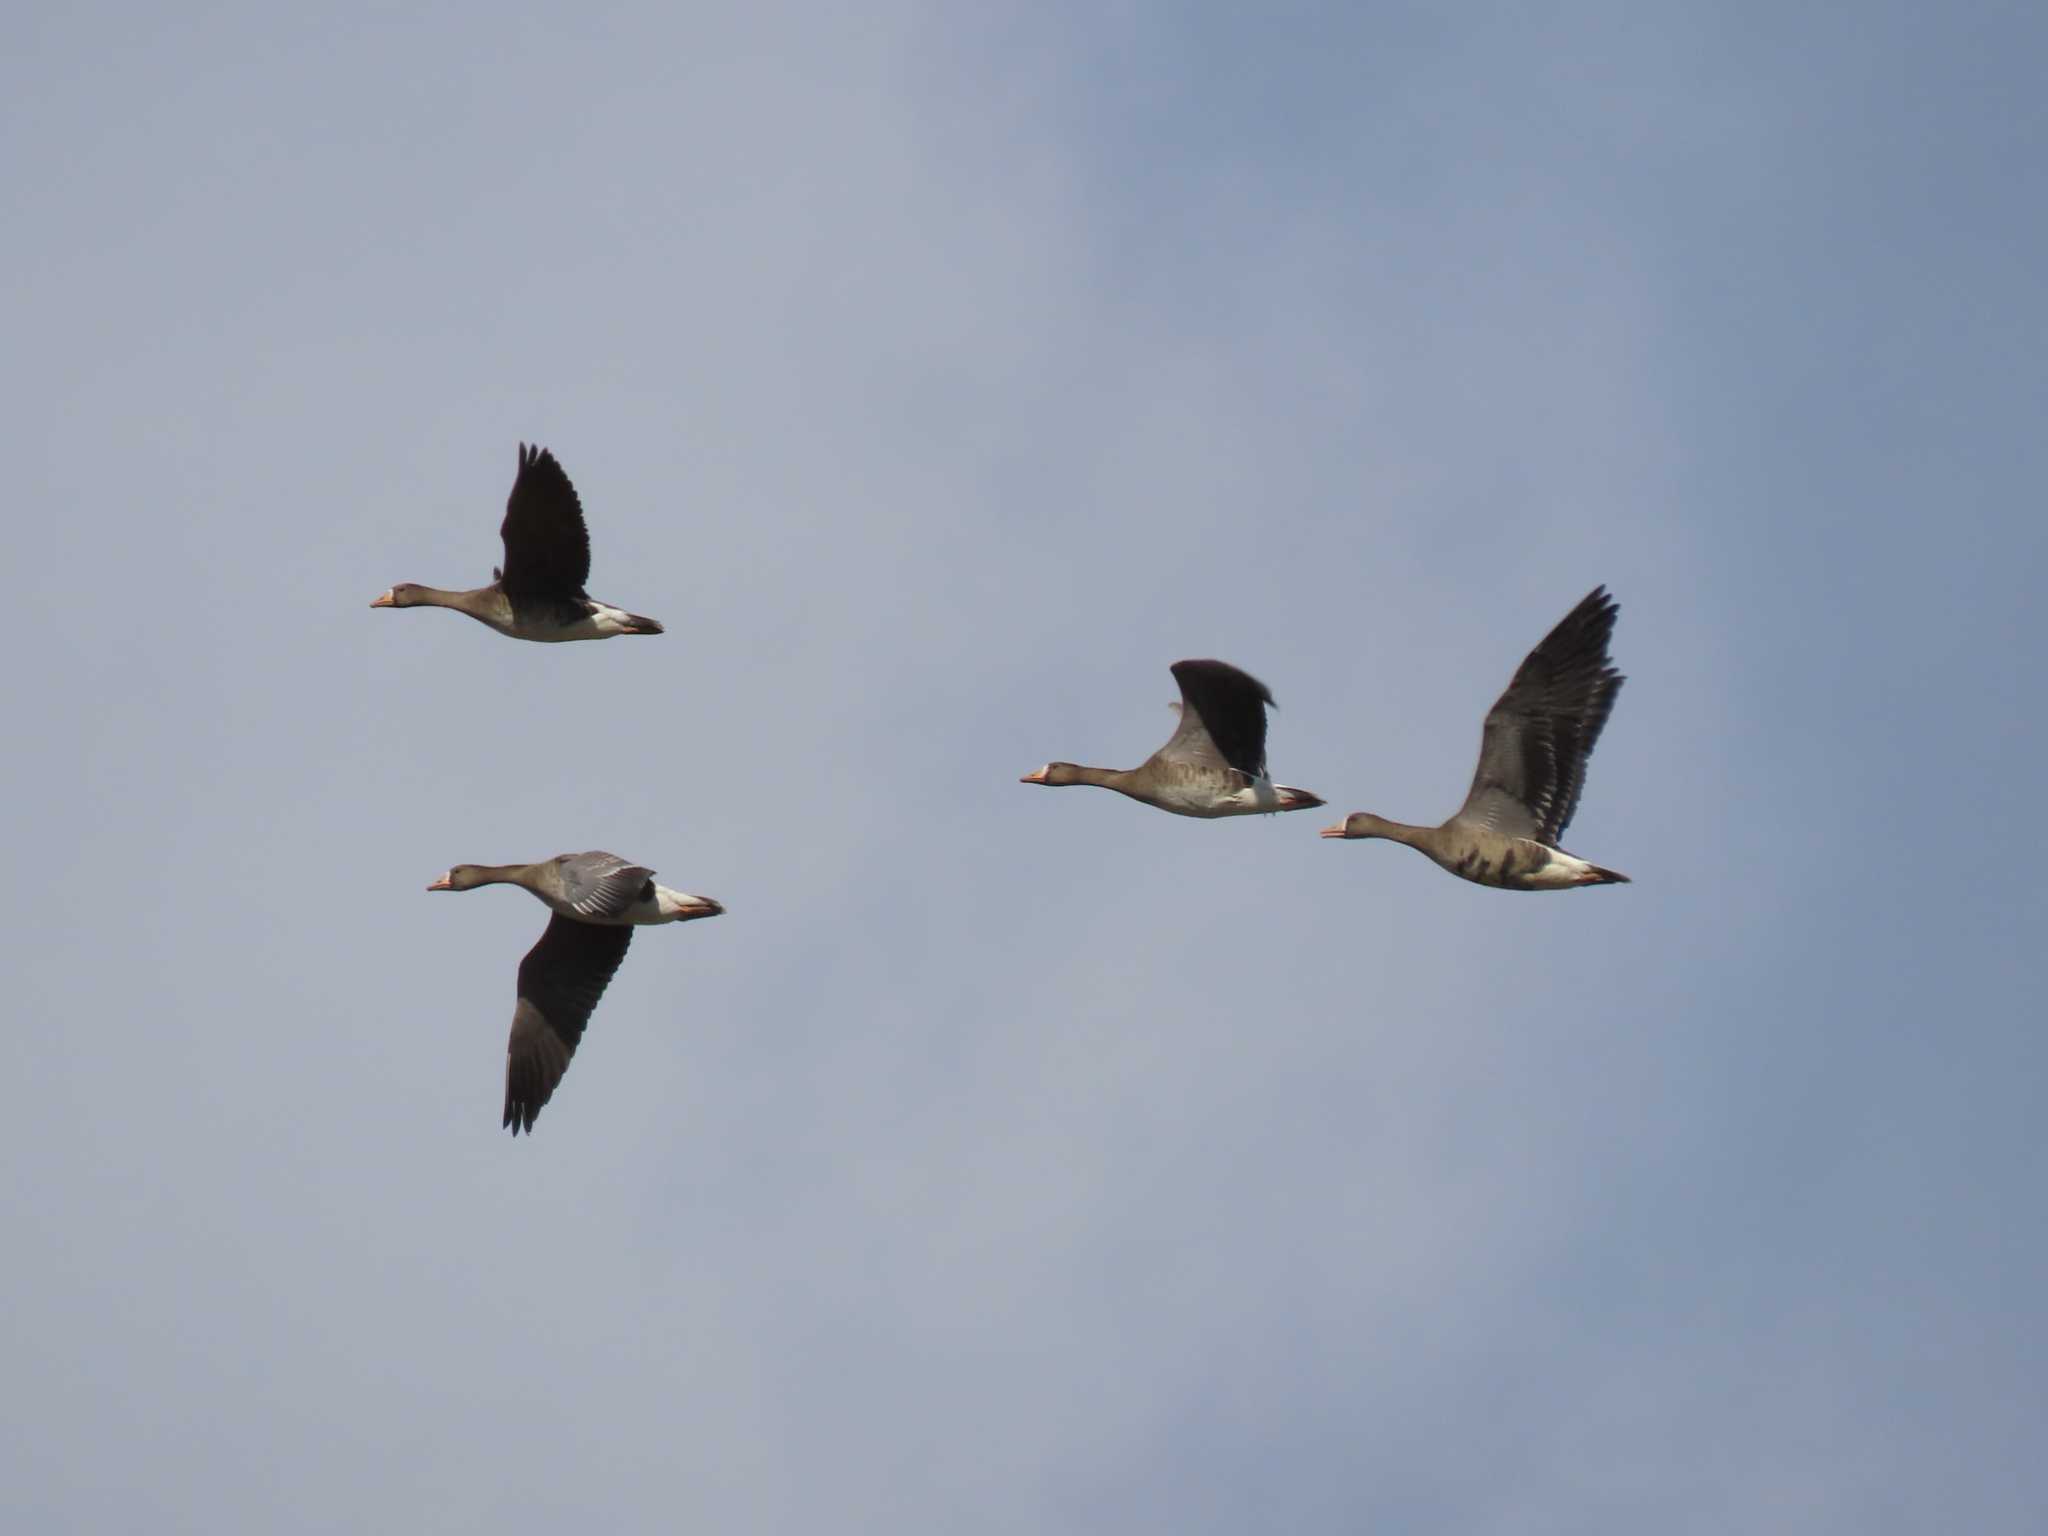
<point>560,981</point>
<point>547,546</point>
<point>1222,718</point>
<point>601,886</point>
<point>1539,734</point>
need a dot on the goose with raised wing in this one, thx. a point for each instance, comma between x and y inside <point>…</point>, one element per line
<point>538,593</point>
<point>598,900</point>
<point>1214,764</point>
<point>1532,766</point>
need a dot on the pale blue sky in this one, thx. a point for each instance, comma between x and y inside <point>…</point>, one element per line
<point>1006,1160</point>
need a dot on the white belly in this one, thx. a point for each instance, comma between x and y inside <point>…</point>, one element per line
<point>600,625</point>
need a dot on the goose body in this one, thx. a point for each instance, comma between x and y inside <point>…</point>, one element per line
<point>538,593</point>
<point>1213,765</point>
<point>1532,767</point>
<point>597,899</point>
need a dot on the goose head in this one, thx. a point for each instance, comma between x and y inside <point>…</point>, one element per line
<point>1357,824</point>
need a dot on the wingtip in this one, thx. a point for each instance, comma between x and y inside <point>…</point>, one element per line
<point>1601,605</point>
<point>1210,666</point>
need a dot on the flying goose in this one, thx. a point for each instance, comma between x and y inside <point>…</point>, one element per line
<point>598,899</point>
<point>538,595</point>
<point>1214,764</point>
<point>1532,765</point>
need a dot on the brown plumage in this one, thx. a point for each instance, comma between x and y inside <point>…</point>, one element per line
<point>1213,765</point>
<point>538,595</point>
<point>1532,766</point>
<point>598,899</point>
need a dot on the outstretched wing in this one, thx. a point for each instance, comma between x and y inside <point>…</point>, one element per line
<point>547,547</point>
<point>1222,718</point>
<point>560,981</point>
<point>600,886</point>
<point>1539,734</point>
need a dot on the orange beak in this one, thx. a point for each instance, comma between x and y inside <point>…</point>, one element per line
<point>1036,776</point>
<point>384,602</point>
<point>1336,831</point>
<point>441,885</point>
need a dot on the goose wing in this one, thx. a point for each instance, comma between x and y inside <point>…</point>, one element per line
<point>1222,718</point>
<point>1539,734</point>
<point>600,886</point>
<point>560,981</point>
<point>547,546</point>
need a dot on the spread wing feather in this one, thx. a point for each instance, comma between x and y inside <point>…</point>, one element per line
<point>1222,718</point>
<point>1541,731</point>
<point>547,546</point>
<point>560,981</point>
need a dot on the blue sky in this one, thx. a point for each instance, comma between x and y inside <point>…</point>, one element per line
<point>1008,1160</point>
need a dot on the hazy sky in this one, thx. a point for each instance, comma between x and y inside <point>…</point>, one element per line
<point>1009,1160</point>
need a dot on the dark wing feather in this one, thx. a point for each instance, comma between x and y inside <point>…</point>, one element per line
<point>547,547</point>
<point>1222,715</point>
<point>560,981</point>
<point>600,886</point>
<point>1538,735</point>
